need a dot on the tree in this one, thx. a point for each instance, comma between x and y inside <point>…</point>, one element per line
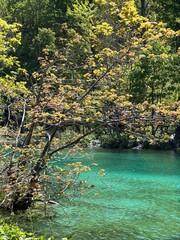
<point>9,65</point>
<point>34,15</point>
<point>85,94</point>
<point>152,78</point>
<point>143,42</point>
<point>143,8</point>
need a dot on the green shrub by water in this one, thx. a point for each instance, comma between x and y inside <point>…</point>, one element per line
<point>12,232</point>
<point>108,142</point>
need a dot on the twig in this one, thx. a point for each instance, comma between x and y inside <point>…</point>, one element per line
<point>21,125</point>
<point>73,142</point>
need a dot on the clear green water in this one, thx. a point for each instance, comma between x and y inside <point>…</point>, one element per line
<point>139,198</point>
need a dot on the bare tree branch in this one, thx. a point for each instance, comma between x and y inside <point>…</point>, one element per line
<point>73,142</point>
<point>21,125</point>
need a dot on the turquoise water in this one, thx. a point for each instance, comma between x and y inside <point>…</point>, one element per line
<point>139,198</point>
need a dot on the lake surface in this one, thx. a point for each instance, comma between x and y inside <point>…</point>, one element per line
<point>139,198</point>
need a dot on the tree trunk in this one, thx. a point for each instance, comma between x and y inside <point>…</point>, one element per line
<point>143,8</point>
<point>177,136</point>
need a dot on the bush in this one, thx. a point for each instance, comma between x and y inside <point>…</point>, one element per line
<point>12,232</point>
<point>108,142</point>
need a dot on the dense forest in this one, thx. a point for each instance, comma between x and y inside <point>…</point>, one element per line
<point>77,70</point>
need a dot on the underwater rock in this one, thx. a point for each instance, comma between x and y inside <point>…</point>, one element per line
<point>91,186</point>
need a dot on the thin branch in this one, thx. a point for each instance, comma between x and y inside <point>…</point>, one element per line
<point>9,114</point>
<point>28,137</point>
<point>47,146</point>
<point>97,80</point>
<point>73,142</point>
<point>21,125</point>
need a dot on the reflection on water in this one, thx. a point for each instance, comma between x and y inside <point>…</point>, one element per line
<point>139,198</point>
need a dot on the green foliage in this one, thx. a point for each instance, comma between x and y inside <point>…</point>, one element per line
<point>112,141</point>
<point>44,39</point>
<point>3,12</point>
<point>10,38</point>
<point>34,15</point>
<point>11,232</point>
<point>153,77</point>
<point>110,55</point>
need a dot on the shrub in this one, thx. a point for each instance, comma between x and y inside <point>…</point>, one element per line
<point>12,232</point>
